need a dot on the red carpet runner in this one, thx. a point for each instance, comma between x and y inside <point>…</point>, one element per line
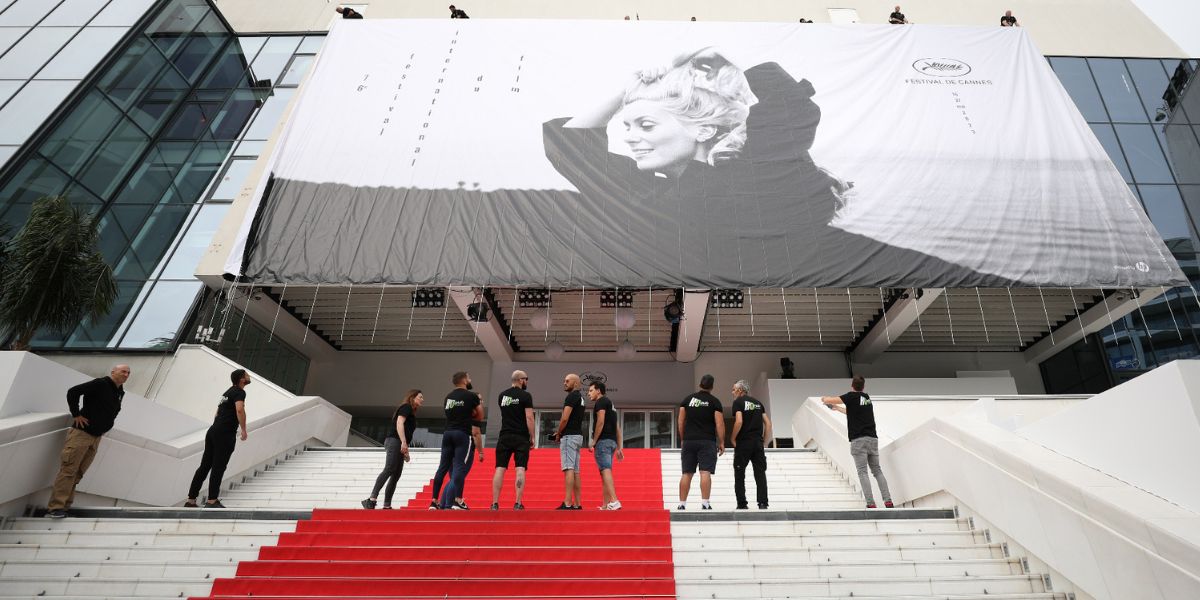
<point>536,553</point>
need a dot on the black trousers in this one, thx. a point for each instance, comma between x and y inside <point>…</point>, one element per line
<point>750,452</point>
<point>218,447</point>
<point>393,467</point>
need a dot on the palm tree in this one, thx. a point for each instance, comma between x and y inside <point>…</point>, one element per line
<point>53,275</point>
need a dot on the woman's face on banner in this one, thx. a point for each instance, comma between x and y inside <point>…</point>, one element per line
<point>657,139</point>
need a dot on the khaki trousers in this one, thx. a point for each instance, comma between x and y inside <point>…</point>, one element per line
<point>77,456</point>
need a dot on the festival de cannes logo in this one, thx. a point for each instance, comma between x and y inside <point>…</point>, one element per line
<point>597,376</point>
<point>941,67</point>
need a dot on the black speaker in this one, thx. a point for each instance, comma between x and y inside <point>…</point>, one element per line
<point>477,312</point>
<point>673,313</point>
<point>788,368</point>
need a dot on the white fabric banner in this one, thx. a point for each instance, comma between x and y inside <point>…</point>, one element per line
<point>628,154</point>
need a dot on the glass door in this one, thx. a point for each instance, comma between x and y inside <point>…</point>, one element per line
<point>633,428</point>
<point>547,424</point>
<point>662,429</point>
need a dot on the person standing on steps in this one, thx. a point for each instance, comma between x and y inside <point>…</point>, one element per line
<point>864,441</point>
<point>395,448</point>
<point>701,426</point>
<point>570,439</point>
<point>516,437</point>
<point>463,412</point>
<point>219,441</point>
<point>607,441</point>
<point>90,421</point>
<point>751,432</point>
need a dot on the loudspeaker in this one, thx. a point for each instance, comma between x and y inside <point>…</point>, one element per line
<point>477,312</point>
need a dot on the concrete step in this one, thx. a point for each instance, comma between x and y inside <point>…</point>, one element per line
<point>846,554</point>
<point>104,587</point>
<point>228,554</point>
<point>751,528</point>
<point>855,570</point>
<point>118,538</point>
<point>52,569</point>
<point>787,541</point>
<point>882,587</point>
<point>151,525</point>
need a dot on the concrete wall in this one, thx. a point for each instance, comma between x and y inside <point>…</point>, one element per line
<point>1095,28</point>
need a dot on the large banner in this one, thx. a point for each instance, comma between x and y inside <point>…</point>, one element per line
<point>708,155</point>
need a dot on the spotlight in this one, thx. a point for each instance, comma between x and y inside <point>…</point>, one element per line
<point>554,350</point>
<point>624,319</point>
<point>477,312</point>
<point>673,312</point>
<point>726,298</point>
<point>533,298</point>
<point>626,350</point>
<point>429,298</point>
<point>616,299</point>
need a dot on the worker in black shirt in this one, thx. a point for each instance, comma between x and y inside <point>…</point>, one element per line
<point>348,13</point>
<point>91,420</point>
<point>569,436</point>
<point>864,441</point>
<point>607,441</point>
<point>751,431</point>
<point>516,436</point>
<point>219,441</point>
<point>463,413</point>
<point>897,17</point>
<point>458,13</point>
<point>702,427</point>
<point>1008,20</point>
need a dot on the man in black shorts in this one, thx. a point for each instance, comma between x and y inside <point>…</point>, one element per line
<point>751,431</point>
<point>702,428</point>
<point>516,436</point>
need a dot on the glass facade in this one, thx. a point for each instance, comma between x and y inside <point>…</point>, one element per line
<point>157,143</point>
<point>1134,107</point>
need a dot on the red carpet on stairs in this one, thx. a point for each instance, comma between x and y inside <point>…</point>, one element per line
<point>536,553</point>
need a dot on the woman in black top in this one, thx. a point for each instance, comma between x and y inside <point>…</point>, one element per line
<point>395,446</point>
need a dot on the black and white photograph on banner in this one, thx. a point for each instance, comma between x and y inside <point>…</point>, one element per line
<point>700,155</point>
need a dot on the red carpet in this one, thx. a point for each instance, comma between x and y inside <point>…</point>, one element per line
<point>535,553</point>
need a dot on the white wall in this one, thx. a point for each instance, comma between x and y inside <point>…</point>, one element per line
<point>1145,432</point>
<point>380,379</point>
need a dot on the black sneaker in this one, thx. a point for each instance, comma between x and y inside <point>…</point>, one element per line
<point>564,506</point>
<point>433,505</point>
<point>705,507</point>
<point>460,505</point>
<point>763,507</point>
<point>495,506</point>
<point>681,507</point>
<point>744,507</point>
<point>216,504</point>
<point>387,508</point>
<point>518,506</point>
<point>578,507</point>
<point>56,514</point>
<point>368,504</point>
<point>191,504</point>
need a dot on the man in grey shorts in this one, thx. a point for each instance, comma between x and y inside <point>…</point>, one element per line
<point>570,440</point>
<point>864,441</point>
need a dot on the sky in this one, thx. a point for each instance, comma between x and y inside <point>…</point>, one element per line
<point>1179,19</point>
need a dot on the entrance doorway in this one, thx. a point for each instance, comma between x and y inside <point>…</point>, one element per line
<point>649,428</point>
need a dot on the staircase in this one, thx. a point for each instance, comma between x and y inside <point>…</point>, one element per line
<point>800,479</point>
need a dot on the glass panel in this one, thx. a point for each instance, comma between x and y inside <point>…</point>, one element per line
<point>1151,81</point>
<point>1116,86</point>
<point>122,12</point>
<point>191,122</point>
<point>73,142</point>
<point>274,56</point>
<point>251,45</point>
<point>191,248</point>
<point>200,169</point>
<point>199,51</point>
<point>297,70</point>
<point>234,115</point>
<point>152,182</point>
<point>311,44</point>
<point>155,235</point>
<point>74,12</point>
<point>234,179</point>
<point>633,428</point>
<point>137,66</point>
<point>9,36</point>
<point>31,53</point>
<point>269,115</point>
<point>251,148</point>
<point>35,179</point>
<point>1146,159</point>
<point>1179,72</point>
<point>30,107</point>
<point>1077,79</point>
<point>120,152</point>
<point>1166,211</point>
<point>230,70</point>
<point>26,12</point>
<point>661,426</point>
<point>169,30</point>
<point>161,315</point>
<point>1191,199</point>
<point>99,333</point>
<point>1108,138</point>
<point>1182,143</point>
<point>82,54</point>
<point>547,425</point>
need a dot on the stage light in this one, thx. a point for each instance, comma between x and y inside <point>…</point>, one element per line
<point>554,350</point>
<point>726,298</point>
<point>429,297</point>
<point>477,312</point>
<point>673,312</point>
<point>626,350</point>
<point>616,298</point>
<point>540,320</point>
<point>624,319</point>
<point>533,298</point>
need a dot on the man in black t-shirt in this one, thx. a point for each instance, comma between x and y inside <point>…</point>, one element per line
<point>751,431</point>
<point>569,436</point>
<point>219,441</point>
<point>864,441</point>
<point>897,17</point>
<point>348,13</point>
<point>702,427</point>
<point>458,13</point>
<point>516,436</point>
<point>463,413</point>
<point>1008,20</point>
<point>607,441</point>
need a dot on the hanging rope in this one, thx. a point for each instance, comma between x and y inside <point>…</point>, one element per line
<point>283,294</point>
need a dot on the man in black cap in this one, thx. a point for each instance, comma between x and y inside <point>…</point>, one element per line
<point>702,429</point>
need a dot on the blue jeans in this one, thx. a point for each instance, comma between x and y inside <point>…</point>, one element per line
<point>456,452</point>
<point>604,453</point>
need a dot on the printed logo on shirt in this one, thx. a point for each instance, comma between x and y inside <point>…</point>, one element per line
<point>751,407</point>
<point>697,403</point>
<point>509,401</point>
<point>223,400</point>
<point>864,400</point>
<point>452,403</point>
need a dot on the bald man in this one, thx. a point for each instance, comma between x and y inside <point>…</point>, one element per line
<point>90,421</point>
<point>516,436</point>
<point>570,439</point>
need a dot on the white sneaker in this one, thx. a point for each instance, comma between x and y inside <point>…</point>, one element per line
<point>614,505</point>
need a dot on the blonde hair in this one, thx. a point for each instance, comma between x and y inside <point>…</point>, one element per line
<point>703,91</point>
